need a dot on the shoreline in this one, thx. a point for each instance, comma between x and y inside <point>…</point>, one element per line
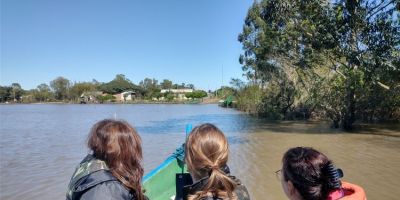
<point>205,101</point>
<point>369,128</point>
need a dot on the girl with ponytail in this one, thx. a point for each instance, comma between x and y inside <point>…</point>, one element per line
<point>206,158</point>
<point>307,174</point>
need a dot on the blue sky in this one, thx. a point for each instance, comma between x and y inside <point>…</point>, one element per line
<point>184,41</point>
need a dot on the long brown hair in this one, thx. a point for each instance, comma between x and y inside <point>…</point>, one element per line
<point>119,145</point>
<point>206,153</point>
<point>308,170</point>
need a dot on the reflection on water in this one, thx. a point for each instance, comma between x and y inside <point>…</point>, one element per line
<point>41,144</point>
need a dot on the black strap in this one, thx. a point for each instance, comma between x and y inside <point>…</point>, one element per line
<point>182,180</point>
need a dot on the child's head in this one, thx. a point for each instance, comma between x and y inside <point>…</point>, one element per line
<point>206,153</point>
<point>119,145</point>
<point>308,174</point>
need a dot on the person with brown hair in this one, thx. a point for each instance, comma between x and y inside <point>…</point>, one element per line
<point>309,175</point>
<point>113,169</point>
<point>206,156</point>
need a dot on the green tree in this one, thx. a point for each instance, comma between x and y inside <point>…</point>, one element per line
<point>149,84</point>
<point>250,100</point>
<point>150,88</point>
<point>156,94</point>
<point>42,92</point>
<point>347,47</point>
<point>368,40</point>
<point>224,92</point>
<point>189,95</point>
<point>105,98</point>
<point>166,84</point>
<point>190,86</point>
<point>17,91</point>
<point>79,88</point>
<point>61,87</point>
<point>169,96</point>
<point>119,84</point>
<point>5,93</point>
<point>237,83</point>
<point>197,94</point>
<point>29,96</point>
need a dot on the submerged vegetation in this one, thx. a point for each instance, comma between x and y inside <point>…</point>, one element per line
<point>331,59</point>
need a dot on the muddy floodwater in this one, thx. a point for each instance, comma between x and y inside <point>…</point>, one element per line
<point>40,146</point>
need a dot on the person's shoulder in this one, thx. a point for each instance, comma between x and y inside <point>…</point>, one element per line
<point>102,185</point>
<point>107,190</point>
<point>241,191</point>
<point>353,191</point>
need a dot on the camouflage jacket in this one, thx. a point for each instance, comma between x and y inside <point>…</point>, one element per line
<point>93,180</point>
<point>240,192</point>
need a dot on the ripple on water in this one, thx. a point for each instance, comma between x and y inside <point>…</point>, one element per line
<point>42,144</point>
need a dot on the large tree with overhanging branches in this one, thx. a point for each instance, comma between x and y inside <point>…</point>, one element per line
<point>341,57</point>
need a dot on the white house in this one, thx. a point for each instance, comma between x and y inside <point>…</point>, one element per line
<point>125,96</point>
<point>179,93</point>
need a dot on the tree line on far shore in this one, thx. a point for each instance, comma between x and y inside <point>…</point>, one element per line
<point>337,60</point>
<point>63,90</point>
<point>321,59</point>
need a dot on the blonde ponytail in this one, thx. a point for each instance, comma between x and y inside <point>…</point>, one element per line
<point>206,153</point>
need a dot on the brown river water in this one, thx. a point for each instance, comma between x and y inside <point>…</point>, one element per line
<point>40,145</point>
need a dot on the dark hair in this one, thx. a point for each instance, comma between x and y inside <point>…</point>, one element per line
<point>311,173</point>
<point>206,153</point>
<point>119,145</point>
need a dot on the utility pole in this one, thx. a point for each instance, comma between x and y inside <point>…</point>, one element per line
<point>222,80</point>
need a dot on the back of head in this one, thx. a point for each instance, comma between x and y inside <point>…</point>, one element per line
<point>206,153</point>
<point>308,170</point>
<point>118,144</point>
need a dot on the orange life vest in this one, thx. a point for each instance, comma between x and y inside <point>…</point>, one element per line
<point>353,192</point>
